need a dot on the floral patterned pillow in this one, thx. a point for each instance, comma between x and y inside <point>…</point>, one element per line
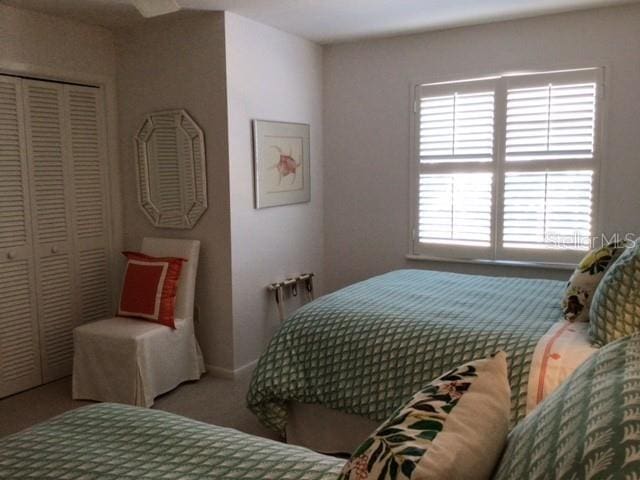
<point>455,427</point>
<point>585,279</point>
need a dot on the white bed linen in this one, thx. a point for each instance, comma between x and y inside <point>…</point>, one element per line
<point>558,353</point>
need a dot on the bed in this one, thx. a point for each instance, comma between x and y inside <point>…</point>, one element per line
<point>363,350</point>
<point>112,441</point>
<point>586,429</point>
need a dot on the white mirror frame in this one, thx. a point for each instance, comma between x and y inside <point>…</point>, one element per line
<point>181,209</point>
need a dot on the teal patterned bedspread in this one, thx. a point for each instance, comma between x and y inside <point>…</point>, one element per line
<point>109,441</point>
<point>367,348</point>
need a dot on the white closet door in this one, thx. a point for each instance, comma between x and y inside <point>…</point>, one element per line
<point>86,140</point>
<point>51,193</point>
<point>19,339</point>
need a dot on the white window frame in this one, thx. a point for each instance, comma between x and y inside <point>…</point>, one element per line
<point>496,253</point>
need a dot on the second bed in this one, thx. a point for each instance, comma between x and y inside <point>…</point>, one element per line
<point>351,357</point>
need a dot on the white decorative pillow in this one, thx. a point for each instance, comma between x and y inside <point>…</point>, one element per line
<point>456,427</point>
<point>585,279</point>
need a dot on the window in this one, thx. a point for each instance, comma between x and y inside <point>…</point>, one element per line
<point>507,167</point>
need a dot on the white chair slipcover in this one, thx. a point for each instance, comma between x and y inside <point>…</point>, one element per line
<point>132,361</point>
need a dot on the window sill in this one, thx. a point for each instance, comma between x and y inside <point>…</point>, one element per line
<point>502,263</point>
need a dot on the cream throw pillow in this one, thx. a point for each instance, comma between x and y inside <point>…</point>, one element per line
<point>454,428</point>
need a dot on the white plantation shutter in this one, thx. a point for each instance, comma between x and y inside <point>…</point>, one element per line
<point>456,151</point>
<point>456,208</point>
<point>550,162</point>
<point>538,133</point>
<point>457,128</point>
<point>552,122</point>
<point>547,209</point>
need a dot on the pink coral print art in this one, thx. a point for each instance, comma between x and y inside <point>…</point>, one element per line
<point>282,163</point>
<point>286,166</point>
<point>283,167</point>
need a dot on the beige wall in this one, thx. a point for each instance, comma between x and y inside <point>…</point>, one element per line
<point>271,75</point>
<point>366,123</point>
<point>55,44</point>
<point>179,62</point>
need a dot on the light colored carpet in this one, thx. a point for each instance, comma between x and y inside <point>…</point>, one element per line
<point>212,400</point>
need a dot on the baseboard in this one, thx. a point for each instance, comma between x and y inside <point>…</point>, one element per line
<point>231,374</point>
<point>220,372</point>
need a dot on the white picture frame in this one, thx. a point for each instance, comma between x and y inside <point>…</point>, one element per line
<point>282,163</point>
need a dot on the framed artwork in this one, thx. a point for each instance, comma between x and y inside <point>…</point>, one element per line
<point>281,163</point>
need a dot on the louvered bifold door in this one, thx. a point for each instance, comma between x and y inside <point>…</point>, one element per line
<point>50,199</point>
<point>86,148</point>
<point>19,339</point>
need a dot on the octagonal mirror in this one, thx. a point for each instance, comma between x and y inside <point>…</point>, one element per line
<point>170,160</point>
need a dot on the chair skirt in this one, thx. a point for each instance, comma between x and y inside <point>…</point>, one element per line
<point>130,361</point>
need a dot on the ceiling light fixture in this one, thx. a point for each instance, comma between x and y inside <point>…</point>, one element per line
<point>155,8</point>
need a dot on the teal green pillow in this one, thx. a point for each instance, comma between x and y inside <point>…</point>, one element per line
<point>588,428</point>
<point>615,309</point>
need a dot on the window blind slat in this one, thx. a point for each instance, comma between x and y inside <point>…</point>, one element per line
<point>457,127</point>
<point>547,210</point>
<point>455,208</point>
<point>550,122</point>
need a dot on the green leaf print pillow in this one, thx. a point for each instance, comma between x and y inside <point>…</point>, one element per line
<point>585,279</point>
<point>455,427</point>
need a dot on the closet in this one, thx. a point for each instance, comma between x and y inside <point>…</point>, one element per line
<point>54,235</point>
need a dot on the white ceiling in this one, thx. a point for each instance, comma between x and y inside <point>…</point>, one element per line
<point>328,21</point>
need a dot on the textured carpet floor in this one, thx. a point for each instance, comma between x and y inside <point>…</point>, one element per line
<point>212,400</point>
